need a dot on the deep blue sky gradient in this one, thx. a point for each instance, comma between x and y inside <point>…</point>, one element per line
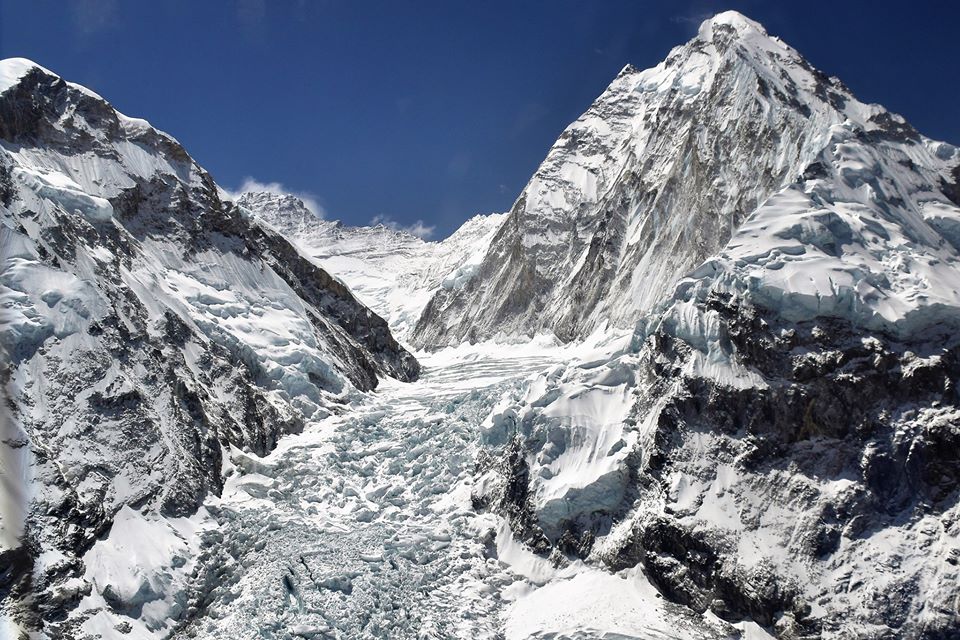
<point>435,110</point>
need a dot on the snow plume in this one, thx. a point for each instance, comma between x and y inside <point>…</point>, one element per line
<point>418,228</point>
<point>310,200</point>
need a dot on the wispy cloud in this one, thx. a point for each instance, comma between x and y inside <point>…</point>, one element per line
<point>94,16</point>
<point>418,228</point>
<point>694,18</point>
<point>309,199</point>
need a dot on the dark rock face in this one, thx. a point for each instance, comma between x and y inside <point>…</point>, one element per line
<point>951,188</point>
<point>829,406</point>
<point>689,570</point>
<point>839,405</point>
<point>126,378</point>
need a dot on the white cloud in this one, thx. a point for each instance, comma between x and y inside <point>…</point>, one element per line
<point>418,228</point>
<point>309,199</point>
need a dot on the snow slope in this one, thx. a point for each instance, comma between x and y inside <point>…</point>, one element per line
<point>392,272</point>
<point>669,163</point>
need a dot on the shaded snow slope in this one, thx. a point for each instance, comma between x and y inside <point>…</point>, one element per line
<point>147,325</point>
<point>393,272</point>
<point>669,163</point>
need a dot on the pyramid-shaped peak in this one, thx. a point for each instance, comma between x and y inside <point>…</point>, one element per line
<point>271,204</point>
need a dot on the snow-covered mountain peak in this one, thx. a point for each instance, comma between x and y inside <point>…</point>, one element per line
<point>769,426</point>
<point>26,75</point>
<point>740,56</point>
<point>389,269</point>
<point>149,329</point>
<point>72,139</point>
<point>284,212</point>
<point>14,71</point>
<point>271,202</point>
<point>727,20</point>
<point>662,170</point>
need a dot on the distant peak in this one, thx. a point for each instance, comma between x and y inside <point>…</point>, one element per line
<point>740,23</point>
<point>272,198</point>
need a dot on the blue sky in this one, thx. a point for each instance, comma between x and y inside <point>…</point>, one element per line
<point>434,111</point>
